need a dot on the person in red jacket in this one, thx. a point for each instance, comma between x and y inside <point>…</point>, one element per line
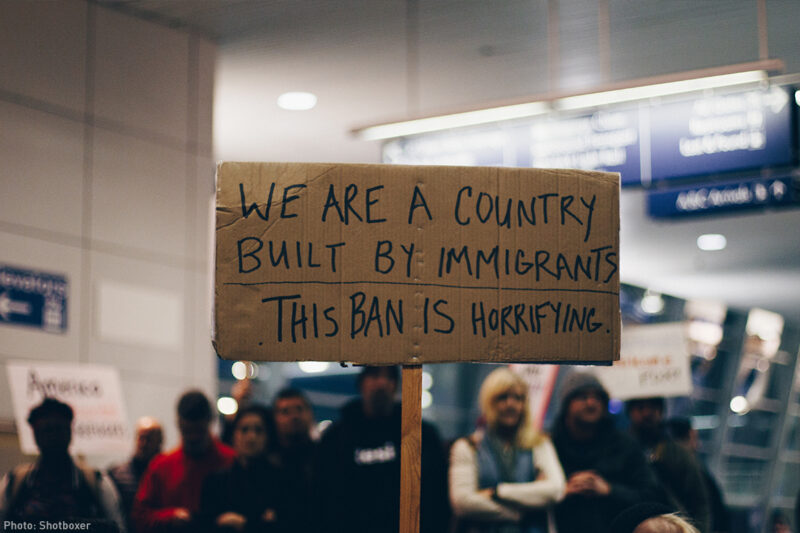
<point>169,495</point>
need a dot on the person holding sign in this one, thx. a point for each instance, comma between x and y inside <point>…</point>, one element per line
<point>247,496</point>
<point>505,479</point>
<point>358,472</point>
<point>605,468</point>
<point>56,493</point>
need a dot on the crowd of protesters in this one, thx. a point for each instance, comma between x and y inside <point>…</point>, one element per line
<point>276,475</point>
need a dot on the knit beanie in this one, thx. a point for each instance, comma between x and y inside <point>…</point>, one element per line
<point>578,382</point>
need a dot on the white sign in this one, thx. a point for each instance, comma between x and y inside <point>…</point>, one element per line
<point>654,361</point>
<point>540,379</point>
<point>100,425</point>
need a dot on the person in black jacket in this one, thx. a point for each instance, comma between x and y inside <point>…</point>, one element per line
<point>358,472</point>
<point>681,430</point>
<point>606,470</point>
<point>248,496</point>
<point>677,470</point>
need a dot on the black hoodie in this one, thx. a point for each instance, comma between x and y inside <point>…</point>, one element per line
<point>618,459</point>
<point>358,483</point>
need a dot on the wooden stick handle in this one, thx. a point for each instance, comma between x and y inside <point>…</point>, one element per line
<point>411,449</point>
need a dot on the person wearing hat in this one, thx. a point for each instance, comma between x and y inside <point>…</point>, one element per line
<point>55,492</point>
<point>358,468</point>
<point>605,468</point>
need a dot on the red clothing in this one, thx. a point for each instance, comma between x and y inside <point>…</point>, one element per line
<point>174,480</point>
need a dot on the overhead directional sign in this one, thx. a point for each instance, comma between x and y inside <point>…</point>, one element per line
<point>645,142</point>
<point>721,133</point>
<point>605,140</point>
<point>729,196</point>
<point>34,299</point>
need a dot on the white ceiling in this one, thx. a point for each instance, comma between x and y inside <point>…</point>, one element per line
<point>372,60</point>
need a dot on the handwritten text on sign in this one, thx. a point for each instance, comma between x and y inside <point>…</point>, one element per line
<point>373,263</point>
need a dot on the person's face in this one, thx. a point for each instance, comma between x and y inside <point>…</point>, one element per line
<point>148,442</point>
<point>377,392</point>
<point>250,436</point>
<point>645,415</point>
<point>53,434</point>
<point>292,417</point>
<point>195,436</point>
<point>587,407</point>
<point>509,406</point>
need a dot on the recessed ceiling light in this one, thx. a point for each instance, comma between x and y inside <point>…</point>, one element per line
<point>297,101</point>
<point>711,242</point>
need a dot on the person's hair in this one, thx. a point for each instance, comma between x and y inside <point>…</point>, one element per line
<point>497,382</point>
<point>679,428</point>
<point>193,406</point>
<point>50,407</point>
<point>394,373</point>
<point>656,401</point>
<point>290,392</point>
<point>674,523</point>
<point>262,412</point>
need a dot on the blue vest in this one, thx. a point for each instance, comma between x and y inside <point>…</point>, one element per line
<point>490,474</point>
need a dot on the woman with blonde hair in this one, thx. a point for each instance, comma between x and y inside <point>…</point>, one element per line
<point>505,479</point>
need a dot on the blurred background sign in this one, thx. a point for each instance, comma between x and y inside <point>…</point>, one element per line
<point>100,426</point>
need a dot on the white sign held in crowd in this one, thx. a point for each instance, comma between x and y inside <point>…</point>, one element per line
<point>93,392</point>
<point>654,361</point>
<point>540,379</point>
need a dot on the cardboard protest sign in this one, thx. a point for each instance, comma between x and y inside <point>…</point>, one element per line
<point>390,264</point>
<point>93,392</point>
<point>654,361</point>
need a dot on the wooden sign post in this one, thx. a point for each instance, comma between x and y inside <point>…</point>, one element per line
<point>411,449</point>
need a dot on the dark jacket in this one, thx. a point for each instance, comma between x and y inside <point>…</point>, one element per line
<point>250,492</point>
<point>619,460</point>
<point>358,482</point>
<point>682,477</point>
<point>296,467</point>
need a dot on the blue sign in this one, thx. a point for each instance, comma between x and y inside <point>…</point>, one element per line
<point>722,197</point>
<point>607,140</point>
<point>34,299</point>
<point>721,133</point>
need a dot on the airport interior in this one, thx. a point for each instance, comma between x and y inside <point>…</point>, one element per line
<point>114,115</point>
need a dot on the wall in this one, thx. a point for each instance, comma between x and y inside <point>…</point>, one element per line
<point>107,179</point>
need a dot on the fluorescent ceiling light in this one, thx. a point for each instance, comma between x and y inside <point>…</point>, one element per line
<point>297,101</point>
<point>748,74</point>
<point>712,242</point>
<point>456,120</point>
<point>660,89</point>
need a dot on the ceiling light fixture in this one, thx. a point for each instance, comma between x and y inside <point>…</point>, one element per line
<point>455,120</point>
<point>712,242</point>
<point>743,74</point>
<point>297,101</point>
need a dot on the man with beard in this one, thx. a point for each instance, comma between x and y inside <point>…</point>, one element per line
<point>169,494</point>
<point>293,453</point>
<point>605,469</point>
<point>677,470</point>
<point>359,464</point>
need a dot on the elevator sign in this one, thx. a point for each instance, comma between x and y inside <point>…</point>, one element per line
<point>34,299</point>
